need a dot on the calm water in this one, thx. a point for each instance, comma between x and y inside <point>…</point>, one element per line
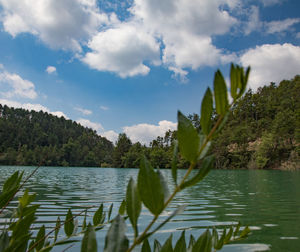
<point>267,201</point>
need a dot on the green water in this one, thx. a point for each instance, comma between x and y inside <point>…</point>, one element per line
<point>267,201</point>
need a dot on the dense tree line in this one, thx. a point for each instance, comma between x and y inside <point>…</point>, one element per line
<point>33,138</point>
<point>263,131</point>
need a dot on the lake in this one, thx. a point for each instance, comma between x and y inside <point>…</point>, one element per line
<point>267,201</point>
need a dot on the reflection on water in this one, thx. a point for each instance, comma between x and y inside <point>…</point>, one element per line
<point>267,201</point>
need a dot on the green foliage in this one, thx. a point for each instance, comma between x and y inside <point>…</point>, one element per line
<point>263,129</point>
<point>133,204</point>
<point>89,243</point>
<point>32,138</point>
<point>116,239</point>
<point>206,112</point>
<point>220,91</point>
<point>150,188</point>
<point>151,191</point>
<point>188,139</point>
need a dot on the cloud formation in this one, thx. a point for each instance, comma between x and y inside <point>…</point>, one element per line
<point>282,25</point>
<point>177,33</point>
<point>122,50</point>
<point>271,63</point>
<point>84,111</point>
<point>145,133</point>
<point>87,123</point>
<point>31,106</point>
<point>104,108</point>
<point>13,85</point>
<point>110,135</point>
<point>59,24</point>
<point>51,69</point>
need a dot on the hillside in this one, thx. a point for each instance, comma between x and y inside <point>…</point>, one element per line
<point>262,132</point>
<point>31,138</point>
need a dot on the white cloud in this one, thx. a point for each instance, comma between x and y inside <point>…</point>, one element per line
<point>59,114</point>
<point>87,123</point>
<point>30,106</point>
<point>282,25</point>
<point>254,23</point>
<point>178,32</point>
<point>271,2</point>
<point>15,86</point>
<point>59,24</point>
<point>110,135</point>
<point>122,50</point>
<point>51,69</point>
<point>271,63</point>
<point>104,108</point>
<point>145,133</point>
<point>84,111</point>
<point>185,28</point>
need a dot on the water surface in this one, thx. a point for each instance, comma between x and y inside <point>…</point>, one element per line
<point>267,201</point>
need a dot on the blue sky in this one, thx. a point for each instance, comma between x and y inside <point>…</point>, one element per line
<point>128,66</point>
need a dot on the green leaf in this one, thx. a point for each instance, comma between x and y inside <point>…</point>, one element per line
<point>110,210</point>
<point>115,239</point>
<point>245,232</point>
<point>181,244</point>
<point>174,162</point>
<point>220,243</point>
<point>146,246</point>
<point>122,208</point>
<point>188,139</point>
<point>6,196</point>
<point>150,188</point>
<point>237,229</point>
<point>134,204</point>
<point>98,216</point>
<point>30,210</point>
<point>244,79</point>
<point>40,238</point>
<point>234,80</point>
<point>22,226</point>
<point>69,224</point>
<point>156,246</point>
<point>191,243</point>
<point>167,247</point>
<point>89,242</point>
<point>26,199</point>
<point>204,243</point>
<point>4,240</point>
<point>206,112</point>
<point>57,228</point>
<point>215,237</point>
<point>164,185</point>
<point>12,182</point>
<point>228,236</point>
<point>206,166</point>
<point>220,91</point>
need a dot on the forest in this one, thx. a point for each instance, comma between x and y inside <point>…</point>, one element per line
<point>262,132</point>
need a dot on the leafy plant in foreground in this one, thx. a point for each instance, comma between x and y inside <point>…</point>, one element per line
<point>150,190</point>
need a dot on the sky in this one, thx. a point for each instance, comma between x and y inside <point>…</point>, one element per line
<point>128,66</point>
